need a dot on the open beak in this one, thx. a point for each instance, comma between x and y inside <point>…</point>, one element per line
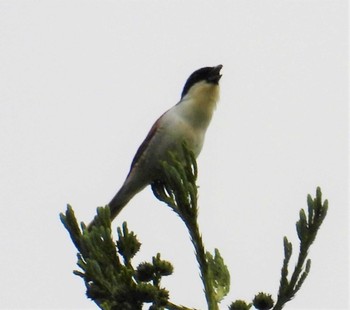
<point>215,75</point>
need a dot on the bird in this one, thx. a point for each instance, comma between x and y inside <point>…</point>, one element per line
<point>186,122</point>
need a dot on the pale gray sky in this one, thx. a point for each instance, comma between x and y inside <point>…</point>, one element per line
<point>83,81</point>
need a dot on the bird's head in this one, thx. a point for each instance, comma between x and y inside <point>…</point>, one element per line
<point>204,81</point>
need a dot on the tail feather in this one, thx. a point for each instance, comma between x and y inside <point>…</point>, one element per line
<point>121,199</point>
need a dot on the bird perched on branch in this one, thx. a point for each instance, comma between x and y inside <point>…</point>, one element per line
<point>186,122</point>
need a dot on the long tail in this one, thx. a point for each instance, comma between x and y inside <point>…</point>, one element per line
<point>121,199</point>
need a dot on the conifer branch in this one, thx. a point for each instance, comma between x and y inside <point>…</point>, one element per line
<point>114,283</point>
<point>178,190</point>
<point>106,267</point>
<point>307,228</point>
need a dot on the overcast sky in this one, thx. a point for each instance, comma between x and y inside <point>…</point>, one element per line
<point>81,83</point>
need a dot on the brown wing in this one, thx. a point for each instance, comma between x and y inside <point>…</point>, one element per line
<point>145,143</point>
